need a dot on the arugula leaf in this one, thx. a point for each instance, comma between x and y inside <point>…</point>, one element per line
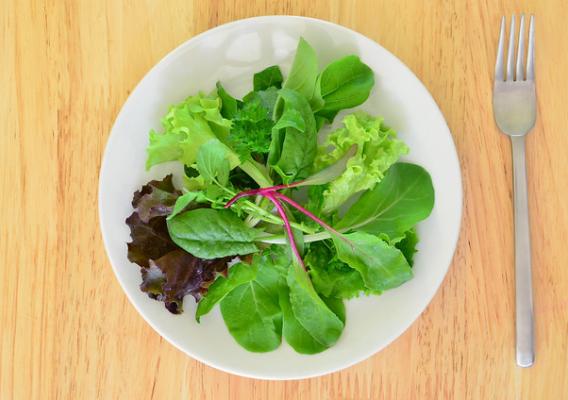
<point>381,265</point>
<point>304,72</point>
<point>268,77</point>
<point>377,150</point>
<point>208,233</point>
<point>344,83</point>
<point>330,276</point>
<point>213,163</point>
<point>177,274</point>
<point>407,245</point>
<point>229,104</point>
<point>187,126</point>
<point>252,311</point>
<point>310,310</point>
<point>294,138</point>
<point>404,197</point>
<point>239,274</point>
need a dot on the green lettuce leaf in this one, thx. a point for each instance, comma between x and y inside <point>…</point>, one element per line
<point>187,126</point>
<point>377,150</point>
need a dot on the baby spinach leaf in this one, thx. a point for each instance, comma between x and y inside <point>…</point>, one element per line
<point>294,146</point>
<point>253,317</point>
<point>268,77</point>
<point>208,233</point>
<point>310,310</point>
<point>345,83</point>
<point>381,265</point>
<point>404,197</point>
<point>336,305</point>
<point>238,274</point>
<point>213,163</point>
<point>304,72</point>
<point>294,333</point>
<point>184,201</point>
<point>252,311</point>
<point>229,104</point>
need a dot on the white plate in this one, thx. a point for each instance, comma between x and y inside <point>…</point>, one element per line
<point>231,53</point>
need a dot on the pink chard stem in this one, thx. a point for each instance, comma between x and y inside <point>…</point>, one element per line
<point>272,198</point>
<point>305,212</point>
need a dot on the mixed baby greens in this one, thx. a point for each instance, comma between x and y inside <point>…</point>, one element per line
<point>262,225</point>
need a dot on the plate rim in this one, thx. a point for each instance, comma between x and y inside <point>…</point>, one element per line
<point>102,226</point>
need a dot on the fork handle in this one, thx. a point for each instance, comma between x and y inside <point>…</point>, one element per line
<point>523,278</point>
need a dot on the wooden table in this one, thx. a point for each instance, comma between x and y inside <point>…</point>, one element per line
<point>67,329</point>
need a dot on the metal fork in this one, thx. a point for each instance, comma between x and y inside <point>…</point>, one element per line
<point>514,108</point>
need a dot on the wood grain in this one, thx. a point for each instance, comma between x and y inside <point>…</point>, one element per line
<point>67,329</point>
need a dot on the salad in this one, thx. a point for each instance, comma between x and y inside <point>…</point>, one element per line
<point>273,227</point>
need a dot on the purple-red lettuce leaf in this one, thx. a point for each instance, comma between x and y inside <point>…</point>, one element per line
<point>177,274</point>
<point>156,198</point>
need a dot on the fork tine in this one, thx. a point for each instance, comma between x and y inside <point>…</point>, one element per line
<point>511,51</point>
<point>500,56</point>
<point>521,50</point>
<point>530,51</point>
